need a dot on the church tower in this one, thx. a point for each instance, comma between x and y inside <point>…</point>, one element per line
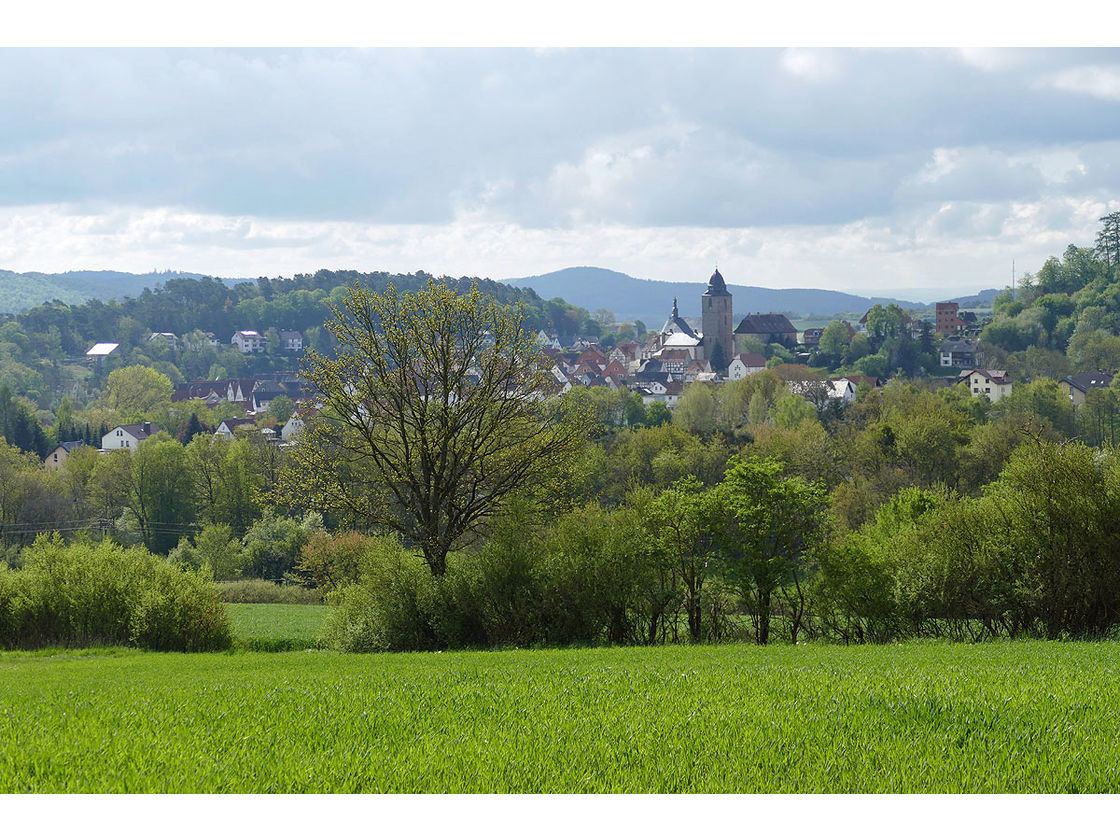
<point>715,318</point>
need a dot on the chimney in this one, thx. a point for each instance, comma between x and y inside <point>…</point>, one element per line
<point>147,427</point>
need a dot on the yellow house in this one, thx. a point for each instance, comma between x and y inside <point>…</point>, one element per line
<point>57,456</point>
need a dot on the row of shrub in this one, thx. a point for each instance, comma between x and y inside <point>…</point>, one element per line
<point>253,591</point>
<point>85,593</point>
<point>1034,556</point>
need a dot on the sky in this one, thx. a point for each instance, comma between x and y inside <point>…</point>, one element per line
<point>914,172</point>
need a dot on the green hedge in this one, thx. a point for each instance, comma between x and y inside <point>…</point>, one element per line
<point>85,594</point>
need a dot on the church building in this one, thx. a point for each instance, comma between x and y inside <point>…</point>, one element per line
<point>715,343</point>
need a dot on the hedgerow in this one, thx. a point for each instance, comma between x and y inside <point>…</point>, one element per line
<point>84,593</point>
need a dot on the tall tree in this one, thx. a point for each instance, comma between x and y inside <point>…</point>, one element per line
<point>136,391</point>
<point>435,411</point>
<point>766,524</point>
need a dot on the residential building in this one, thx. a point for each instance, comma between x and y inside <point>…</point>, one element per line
<point>994,384</point>
<point>1079,385</point>
<point>227,427</point>
<point>57,456</point>
<point>745,364</point>
<point>291,340</point>
<point>948,320</point>
<point>812,336</point>
<point>958,353</point>
<point>248,341</point>
<point>128,436</point>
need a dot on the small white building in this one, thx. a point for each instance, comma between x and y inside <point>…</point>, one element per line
<point>226,427</point>
<point>248,341</point>
<point>128,436</point>
<point>745,364</point>
<point>292,340</point>
<point>843,390</point>
<point>292,428</point>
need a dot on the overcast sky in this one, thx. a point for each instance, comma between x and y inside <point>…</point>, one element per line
<point>910,172</point>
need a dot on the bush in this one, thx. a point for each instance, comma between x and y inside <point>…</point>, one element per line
<point>266,592</point>
<point>273,544</point>
<point>333,561</point>
<point>391,609</point>
<point>215,547</point>
<point>102,594</point>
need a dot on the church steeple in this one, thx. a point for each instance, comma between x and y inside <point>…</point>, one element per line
<point>719,341</point>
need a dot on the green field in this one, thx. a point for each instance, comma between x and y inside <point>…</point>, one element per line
<point>276,627</point>
<point>1022,717</point>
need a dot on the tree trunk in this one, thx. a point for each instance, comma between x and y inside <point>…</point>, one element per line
<point>695,619</point>
<point>764,618</point>
<point>436,558</point>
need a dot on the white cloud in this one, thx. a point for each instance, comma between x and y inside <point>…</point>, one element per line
<point>811,65</point>
<point>1101,82</point>
<point>957,248</point>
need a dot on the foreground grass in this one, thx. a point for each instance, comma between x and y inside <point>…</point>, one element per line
<point>275,627</point>
<point>1022,717</point>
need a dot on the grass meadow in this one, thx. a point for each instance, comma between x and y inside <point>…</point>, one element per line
<point>276,627</point>
<point>1004,717</point>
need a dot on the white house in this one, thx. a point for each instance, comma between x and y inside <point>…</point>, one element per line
<point>745,364</point>
<point>841,389</point>
<point>248,341</point>
<point>226,427</point>
<point>128,436</point>
<point>292,340</point>
<point>993,384</point>
<point>292,428</point>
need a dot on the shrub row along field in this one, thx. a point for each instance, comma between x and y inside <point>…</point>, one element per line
<point>1014,717</point>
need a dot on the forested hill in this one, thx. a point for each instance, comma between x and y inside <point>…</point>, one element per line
<point>21,291</point>
<point>35,344</point>
<point>650,300</point>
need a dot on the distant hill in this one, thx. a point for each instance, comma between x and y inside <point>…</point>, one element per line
<point>21,291</point>
<point>981,300</point>
<point>651,300</point>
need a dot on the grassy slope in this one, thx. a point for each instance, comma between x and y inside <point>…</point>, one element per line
<point>1025,717</point>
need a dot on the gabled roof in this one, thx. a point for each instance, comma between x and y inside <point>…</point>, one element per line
<point>70,445</point>
<point>680,339</point>
<point>140,431</point>
<point>751,359</point>
<point>1085,382</point>
<point>768,324</point>
<point>998,377</point>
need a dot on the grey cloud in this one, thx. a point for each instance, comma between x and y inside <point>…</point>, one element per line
<point>406,136</point>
